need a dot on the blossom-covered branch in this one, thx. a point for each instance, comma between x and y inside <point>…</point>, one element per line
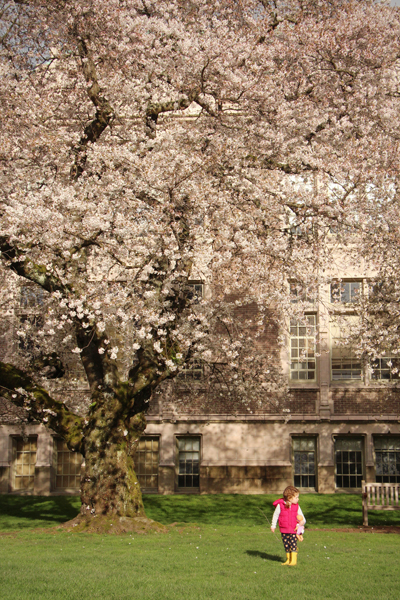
<point>21,390</point>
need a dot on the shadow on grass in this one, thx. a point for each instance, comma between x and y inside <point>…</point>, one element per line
<point>17,512</point>
<point>321,510</point>
<point>264,555</point>
<point>224,509</point>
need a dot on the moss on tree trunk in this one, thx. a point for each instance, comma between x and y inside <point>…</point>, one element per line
<point>109,483</point>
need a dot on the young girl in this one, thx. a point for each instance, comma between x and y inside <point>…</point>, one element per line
<point>286,511</point>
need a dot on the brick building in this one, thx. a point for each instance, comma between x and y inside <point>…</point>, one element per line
<point>339,423</point>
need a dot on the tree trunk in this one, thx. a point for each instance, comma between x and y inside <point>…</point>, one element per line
<point>109,484</point>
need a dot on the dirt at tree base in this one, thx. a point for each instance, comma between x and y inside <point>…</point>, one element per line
<point>113,524</point>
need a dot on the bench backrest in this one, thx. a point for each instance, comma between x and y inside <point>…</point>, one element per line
<point>383,496</point>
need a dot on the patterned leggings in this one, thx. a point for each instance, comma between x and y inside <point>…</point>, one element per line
<point>289,541</point>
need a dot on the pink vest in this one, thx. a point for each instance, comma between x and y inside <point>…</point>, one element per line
<point>288,516</point>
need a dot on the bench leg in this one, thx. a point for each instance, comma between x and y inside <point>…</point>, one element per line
<point>365,515</point>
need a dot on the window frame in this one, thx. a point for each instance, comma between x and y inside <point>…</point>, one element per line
<point>14,475</point>
<point>353,297</point>
<point>148,438</point>
<point>28,343</point>
<point>299,293</point>
<point>198,290</point>
<point>56,465</point>
<point>299,438</point>
<point>31,297</point>
<point>184,488</point>
<point>297,347</point>
<point>360,476</point>
<point>345,354</point>
<point>192,372</point>
<point>393,377</point>
<point>389,478</point>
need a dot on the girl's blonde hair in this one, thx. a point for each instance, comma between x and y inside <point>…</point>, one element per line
<point>289,493</point>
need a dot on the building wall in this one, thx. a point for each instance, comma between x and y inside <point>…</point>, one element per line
<point>237,455</point>
<point>244,449</point>
<point>256,456</point>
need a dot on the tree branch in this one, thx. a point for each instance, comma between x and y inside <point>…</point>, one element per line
<point>17,387</point>
<point>104,111</point>
<point>154,109</point>
<point>27,268</point>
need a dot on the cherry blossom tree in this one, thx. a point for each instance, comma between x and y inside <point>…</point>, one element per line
<point>146,145</point>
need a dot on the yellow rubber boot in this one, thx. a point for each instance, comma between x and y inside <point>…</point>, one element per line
<point>288,555</point>
<point>293,559</point>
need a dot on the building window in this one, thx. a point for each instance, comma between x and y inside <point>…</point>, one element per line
<point>302,349</point>
<point>68,467</point>
<point>345,363</point>
<point>29,326</point>
<point>31,302</point>
<point>24,461</point>
<point>188,462</point>
<point>345,292</point>
<point>387,459</point>
<point>348,462</point>
<point>195,291</point>
<point>192,371</point>
<point>386,369</point>
<point>300,293</point>
<point>31,296</point>
<point>147,457</point>
<point>304,454</point>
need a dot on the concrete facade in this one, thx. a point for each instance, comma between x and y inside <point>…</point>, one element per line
<point>237,454</point>
<point>256,455</point>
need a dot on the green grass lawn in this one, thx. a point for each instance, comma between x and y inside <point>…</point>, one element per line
<point>321,510</point>
<point>221,549</point>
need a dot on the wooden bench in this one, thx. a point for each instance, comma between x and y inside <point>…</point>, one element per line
<point>379,496</point>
